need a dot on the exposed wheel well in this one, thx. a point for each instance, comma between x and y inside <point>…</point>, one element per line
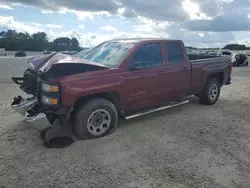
<point>219,76</point>
<point>112,96</point>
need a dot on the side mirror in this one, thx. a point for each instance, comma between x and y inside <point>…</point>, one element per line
<point>132,67</point>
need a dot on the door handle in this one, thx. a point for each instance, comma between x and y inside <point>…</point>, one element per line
<point>185,68</point>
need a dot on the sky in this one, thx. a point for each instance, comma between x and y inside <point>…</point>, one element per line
<point>199,23</point>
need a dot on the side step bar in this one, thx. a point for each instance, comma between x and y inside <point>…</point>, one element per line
<point>156,110</point>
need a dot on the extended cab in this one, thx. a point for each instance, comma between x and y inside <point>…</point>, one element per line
<point>118,78</point>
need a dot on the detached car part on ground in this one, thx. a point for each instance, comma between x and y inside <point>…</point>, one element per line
<point>74,98</point>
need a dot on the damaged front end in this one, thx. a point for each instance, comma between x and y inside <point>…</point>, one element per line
<point>28,107</point>
<point>43,104</point>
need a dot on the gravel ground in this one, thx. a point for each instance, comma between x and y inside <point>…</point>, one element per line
<point>188,146</point>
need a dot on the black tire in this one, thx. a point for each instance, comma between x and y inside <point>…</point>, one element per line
<point>197,94</point>
<point>51,117</point>
<point>58,142</point>
<point>82,114</point>
<point>206,97</point>
<point>43,132</point>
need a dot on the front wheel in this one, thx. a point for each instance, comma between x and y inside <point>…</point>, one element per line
<point>95,119</point>
<point>211,92</point>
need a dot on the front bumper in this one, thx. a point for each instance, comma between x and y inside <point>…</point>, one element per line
<point>21,105</point>
<point>38,121</point>
<point>24,107</point>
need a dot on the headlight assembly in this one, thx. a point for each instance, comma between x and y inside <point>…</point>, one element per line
<point>49,94</point>
<point>49,100</point>
<point>49,88</point>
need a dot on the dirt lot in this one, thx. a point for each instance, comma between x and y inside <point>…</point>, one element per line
<point>188,146</point>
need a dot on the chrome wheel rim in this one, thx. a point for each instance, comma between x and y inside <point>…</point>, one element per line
<point>213,92</point>
<point>98,122</point>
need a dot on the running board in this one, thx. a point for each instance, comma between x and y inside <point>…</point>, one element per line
<point>156,110</point>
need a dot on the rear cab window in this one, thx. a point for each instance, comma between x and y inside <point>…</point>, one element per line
<point>148,55</point>
<point>175,52</point>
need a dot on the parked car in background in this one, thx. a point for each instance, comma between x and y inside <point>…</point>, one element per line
<point>20,54</point>
<point>47,52</point>
<point>211,53</point>
<point>3,52</point>
<point>234,56</point>
<point>247,53</point>
<point>224,51</point>
<point>84,98</point>
<point>201,52</point>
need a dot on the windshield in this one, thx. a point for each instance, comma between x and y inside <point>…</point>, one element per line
<point>110,54</point>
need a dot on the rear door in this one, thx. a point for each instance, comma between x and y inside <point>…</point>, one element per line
<point>178,70</point>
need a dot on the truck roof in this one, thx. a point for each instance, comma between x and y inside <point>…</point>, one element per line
<point>144,39</point>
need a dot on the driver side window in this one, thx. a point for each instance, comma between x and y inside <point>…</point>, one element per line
<point>148,55</point>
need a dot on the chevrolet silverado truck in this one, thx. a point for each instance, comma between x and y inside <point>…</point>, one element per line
<point>83,98</point>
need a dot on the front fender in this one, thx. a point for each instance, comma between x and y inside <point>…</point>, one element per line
<point>73,90</point>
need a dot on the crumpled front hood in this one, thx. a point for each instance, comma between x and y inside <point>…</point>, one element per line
<point>42,64</point>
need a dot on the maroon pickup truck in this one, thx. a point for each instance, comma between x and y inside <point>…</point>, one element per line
<point>83,98</point>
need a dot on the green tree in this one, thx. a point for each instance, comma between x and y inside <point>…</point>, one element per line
<point>40,41</point>
<point>10,34</point>
<point>75,45</point>
<point>235,47</point>
<point>12,40</point>
<point>62,44</point>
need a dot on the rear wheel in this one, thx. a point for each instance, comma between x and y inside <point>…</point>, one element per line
<point>211,92</point>
<point>95,118</point>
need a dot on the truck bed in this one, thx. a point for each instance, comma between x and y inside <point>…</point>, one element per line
<point>211,60</point>
<point>201,68</point>
<point>196,56</point>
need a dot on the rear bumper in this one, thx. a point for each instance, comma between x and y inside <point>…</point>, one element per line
<point>38,121</point>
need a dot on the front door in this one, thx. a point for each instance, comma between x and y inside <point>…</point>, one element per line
<point>144,84</point>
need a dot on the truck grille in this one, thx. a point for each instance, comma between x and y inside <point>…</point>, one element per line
<point>29,85</point>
